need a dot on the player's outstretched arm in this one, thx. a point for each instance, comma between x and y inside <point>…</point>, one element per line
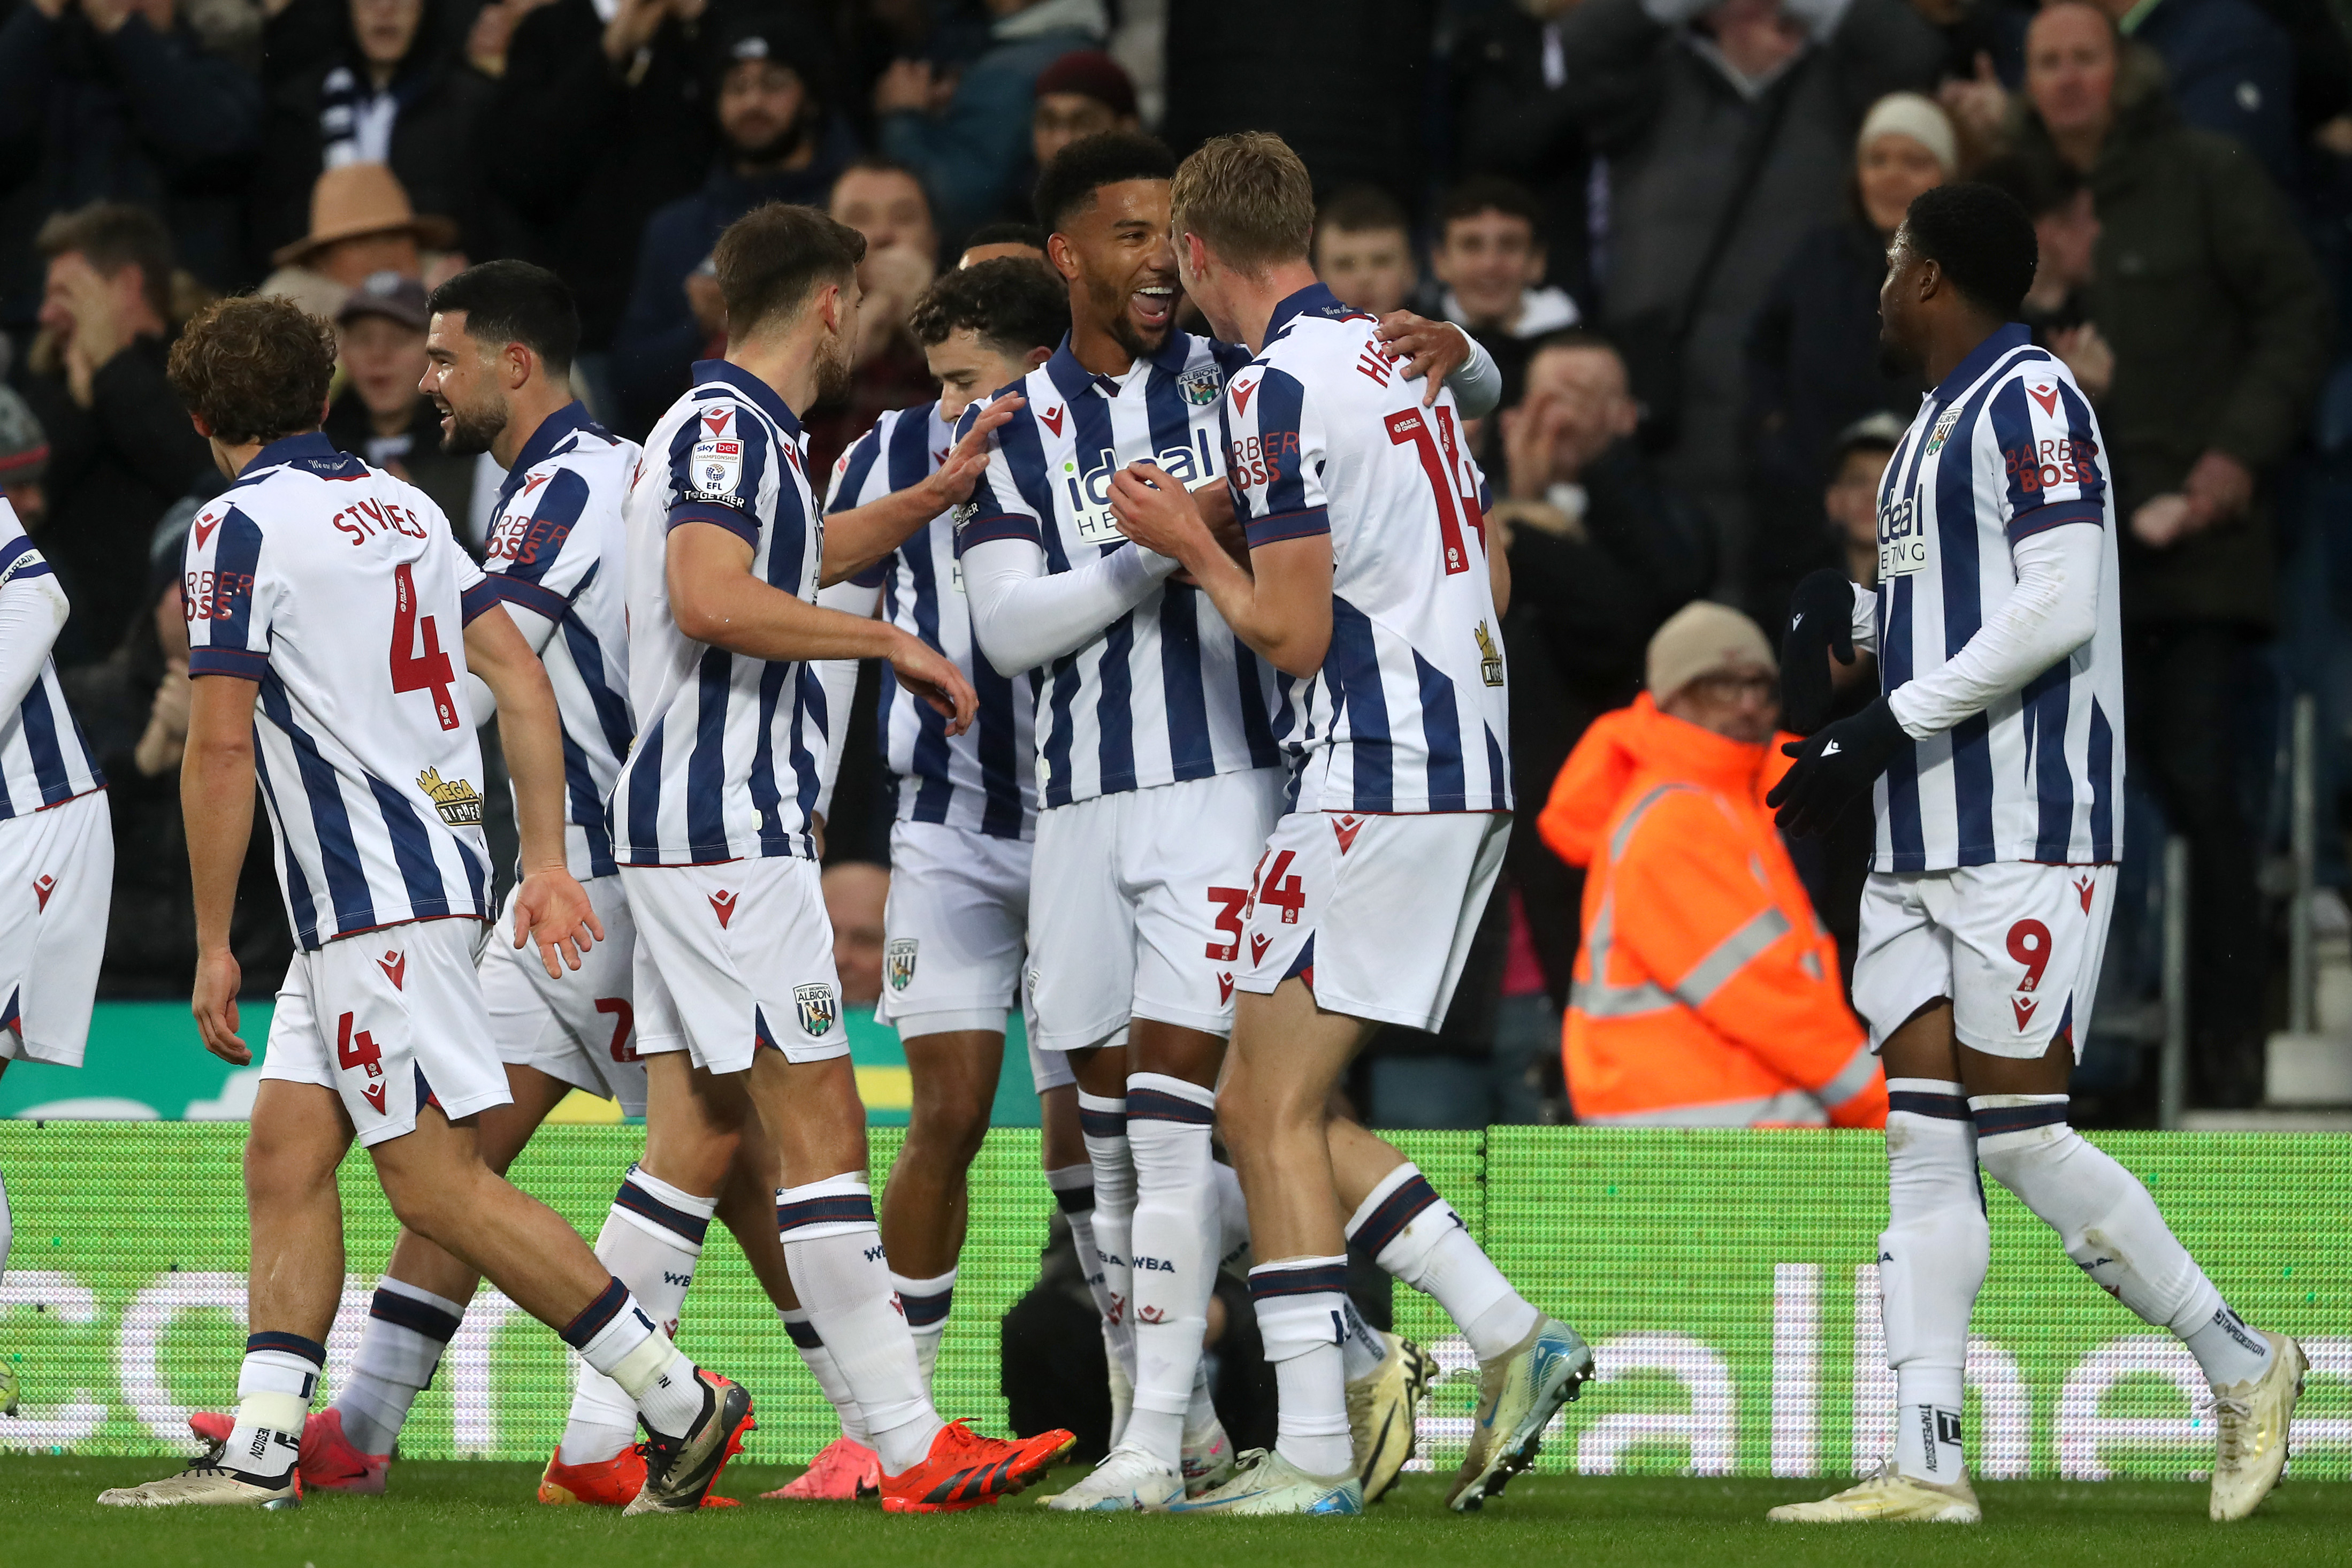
<point>550,908</point>
<point>714,599</point>
<point>857,537</point>
<point>1280,606</point>
<point>217,803</point>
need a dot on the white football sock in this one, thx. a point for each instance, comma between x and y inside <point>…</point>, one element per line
<point>1932,1260</point>
<point>617,1337</point>
<point>1301,1304</point>
<point>834,1250</point>
<point>2111,1229</point>
<point>651,1241</point>
<point>1200,1411</point>
<point>819,1360</point>
<point>407,1329</point>
<point>1364,1350</point>
<point>273,1392</point>
<point>1417,1237</point>
<point>1233,1221</point>
<point>1168,1130</point>
<point>1073,1194</point>
<point>1103,1121</point>
<point>925,1303</point>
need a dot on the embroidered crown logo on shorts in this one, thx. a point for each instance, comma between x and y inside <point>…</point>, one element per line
<point>459,803</point>
<point>818,1010</point>
<point>1490,658</point>
<point>898,962</point>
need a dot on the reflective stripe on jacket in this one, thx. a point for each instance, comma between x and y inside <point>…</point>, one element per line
<point>1706,991</point>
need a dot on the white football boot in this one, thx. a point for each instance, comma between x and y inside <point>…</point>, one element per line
<point>207,1483</point>
<point>1518,1394</point>
<point>2253,1417</point>
<point>1889,1497</point>
<point>1208,1455</point>
<point>1384,1408</point>
<point>1265,1482</point>
<point>1129,1480</point>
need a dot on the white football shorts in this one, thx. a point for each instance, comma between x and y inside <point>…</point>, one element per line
<point>389,1019</point>
<point>1375,913</point>
<point>732,957</point>
<point>2015,945</point>
<point>1135,909</point>
<point>581,1028</point>
<point>57,883</point>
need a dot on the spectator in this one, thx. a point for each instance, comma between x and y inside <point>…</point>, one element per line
<point>380,415</point>
<point>361,225</point>
<point>2221,328</point>
<point>1857,464</point>
<point>965,139</point>
<point>2229,70</point>
<point>1813,363</point>
<point>2067,231</point>
<point>1489,260</point>
<point>771,133</point>
<point>854,894</point>
<point>121,449</point>
<point>393,92</point>
<point>994,241</point>
<point>1082,94</point>
<point>117,101</point>
<point>1363,250</point>
<point>1730,134</point>
<point>23,458</point>
<point>1707,994</point>
<point>1514,115</point>
<point>883,201</point>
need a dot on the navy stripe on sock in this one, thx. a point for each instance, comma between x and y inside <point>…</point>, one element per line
<point>1396,1211</point>
<point>803,1334</point>
<point>595,1315</point>
<point>309,1350</point>
<point>1913,1102</point>
<point>1267,1284</point>
<point>1074,1199</point>
<point>922,1311</point>
<point>1102,1124</point>
<point>1159,1105</point>
<point>1997,1119</point>
<point>419,1317</point>
<point>833,1208</point>
<point>638,1201</point>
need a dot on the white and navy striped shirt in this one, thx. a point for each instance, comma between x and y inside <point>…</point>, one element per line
<point>1410,712</point>
<point>44,761</point>
<point>2007,446</point>
<point>342,592</point>
<point>1167,693</point>
<point>984,780</point>
<point>725,761</point>
<point>557,548</point>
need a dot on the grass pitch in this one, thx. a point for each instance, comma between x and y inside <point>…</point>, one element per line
<point>475,1512</point>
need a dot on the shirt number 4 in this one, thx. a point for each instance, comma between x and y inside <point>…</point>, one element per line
<point>429,671</point>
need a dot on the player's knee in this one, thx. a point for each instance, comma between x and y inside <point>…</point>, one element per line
<point>283,1165</point>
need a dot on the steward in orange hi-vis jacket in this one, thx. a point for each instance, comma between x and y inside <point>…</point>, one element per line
<point>1706,991</point>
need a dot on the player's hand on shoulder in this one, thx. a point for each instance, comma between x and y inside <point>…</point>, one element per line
<point>1430,349</point>
<point>931,675</point>
<point>1821,625</point>
<point>214,1003</point>
<point>553,910</point>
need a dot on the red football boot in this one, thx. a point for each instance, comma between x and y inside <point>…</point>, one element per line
<point>328,1459</point>
<point>843,1471</point>
<point>965,1470</point>
<point>613,1482</point>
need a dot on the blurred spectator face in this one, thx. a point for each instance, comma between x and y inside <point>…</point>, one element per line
<point>1892,171</point>
<point>125,293</point>
<point>352,262</point>
<point>385,361</point>
<point>31,502</point>
<point>1061,118</point>
<point>1740,702</point>
<point>2068,236</point>
<point>1578,404</point>
<point>1851,499</point>
<point>760,107</point>
<point>887,206</point>
<point>854,894</point>
<point>2070,69</point>
<point>385,30</point>
<point>1490,260</point>
<point>1371,269</point>
<point>968,368</point>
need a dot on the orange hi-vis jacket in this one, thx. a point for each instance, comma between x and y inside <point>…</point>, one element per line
<point>1706,991</point>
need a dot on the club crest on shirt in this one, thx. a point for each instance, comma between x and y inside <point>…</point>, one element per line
<point>716,469</point>
<point>819,1012</point>
<point>898,962</point>
<point>1943,431</point>
<point>1201,384</point>
<point>459,803</point>
<point>1490,658</point>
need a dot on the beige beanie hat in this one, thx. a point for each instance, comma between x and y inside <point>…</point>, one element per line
<point>1701,639</point>
<point>1920,118</point>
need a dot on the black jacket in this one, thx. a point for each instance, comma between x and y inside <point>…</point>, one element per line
<point>1507,121</point>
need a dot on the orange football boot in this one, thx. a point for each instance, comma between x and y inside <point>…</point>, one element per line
<point>613,1482</point>
<point>842,1472</point>
<point>965,1470</point>
<point>328,1459</point>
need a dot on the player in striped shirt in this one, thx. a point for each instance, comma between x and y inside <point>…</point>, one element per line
<point>1157,768</point>
<point>57,842</point>
<point>332,620</point>
<point>713,818</point>
<point>1995,756</point>
<point>1369,585</point>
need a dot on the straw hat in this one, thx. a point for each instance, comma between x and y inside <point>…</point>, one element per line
<point>358,199</point>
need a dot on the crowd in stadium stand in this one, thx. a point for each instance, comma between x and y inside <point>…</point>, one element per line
<point>1665,219</point>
